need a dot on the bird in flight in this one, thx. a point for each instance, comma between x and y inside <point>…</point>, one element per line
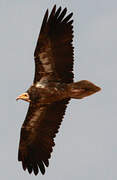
<point>51,90</point>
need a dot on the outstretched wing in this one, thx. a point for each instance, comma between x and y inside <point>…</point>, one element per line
<point>37,135</point>
<point>54,51</point>
<point>53,59</point>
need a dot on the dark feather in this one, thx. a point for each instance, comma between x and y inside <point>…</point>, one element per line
<point>57,12</point>
<point>35,168</point>
<point>37,135</point>
<point>54,61</point>
<point>46,162</point>
<point>41,166</point>
<point>54,51</point>
<point>62,14</point>
<point>29,167</point>
<point>68,18</point>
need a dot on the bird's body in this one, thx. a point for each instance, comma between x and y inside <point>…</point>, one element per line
<point>51,91</point>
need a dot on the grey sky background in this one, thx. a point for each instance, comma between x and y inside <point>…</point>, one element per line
<point>86,145</point>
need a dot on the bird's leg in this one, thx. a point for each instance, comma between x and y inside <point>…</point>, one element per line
<point>81,89</point>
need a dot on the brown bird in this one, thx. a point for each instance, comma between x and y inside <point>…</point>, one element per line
<point>51,91</point>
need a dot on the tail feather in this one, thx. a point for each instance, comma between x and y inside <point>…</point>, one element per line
<point>82,89</point>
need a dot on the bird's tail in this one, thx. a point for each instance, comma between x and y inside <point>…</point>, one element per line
<point>81,89</point>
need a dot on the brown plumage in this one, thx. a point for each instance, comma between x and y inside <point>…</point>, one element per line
<point>51,90</point>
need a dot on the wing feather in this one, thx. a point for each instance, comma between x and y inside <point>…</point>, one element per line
<point>37,135</point>
<point>54,51</point>
<point>53,59</point>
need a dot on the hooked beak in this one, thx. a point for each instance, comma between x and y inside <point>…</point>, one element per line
<point>24,97</point>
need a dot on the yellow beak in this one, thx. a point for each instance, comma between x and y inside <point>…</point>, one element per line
<point>24,97</point>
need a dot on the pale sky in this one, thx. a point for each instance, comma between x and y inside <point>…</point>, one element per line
<point>86,145</point>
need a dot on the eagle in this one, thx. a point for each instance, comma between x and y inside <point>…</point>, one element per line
<point>51,90</point>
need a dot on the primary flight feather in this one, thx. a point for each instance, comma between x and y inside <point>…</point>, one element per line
<point>51,90</point>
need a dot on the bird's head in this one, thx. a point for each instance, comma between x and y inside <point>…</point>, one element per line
<point>25,96</point>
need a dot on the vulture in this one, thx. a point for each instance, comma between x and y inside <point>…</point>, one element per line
<point>51,90</point>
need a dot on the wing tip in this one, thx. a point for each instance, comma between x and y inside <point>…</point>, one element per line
<point>54,7</point>
<point>35,167</point>
<point>46,162</point>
